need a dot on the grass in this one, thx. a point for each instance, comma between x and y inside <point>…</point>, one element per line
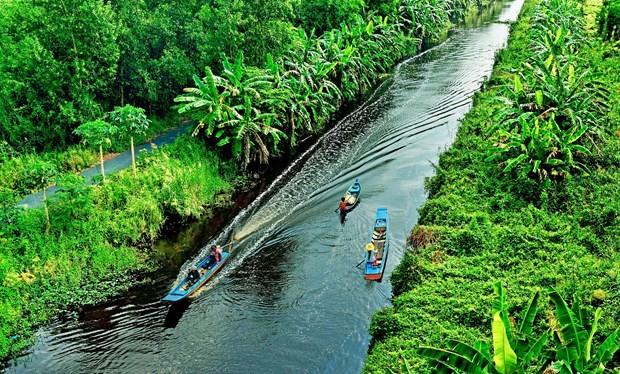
<point>99,235</point>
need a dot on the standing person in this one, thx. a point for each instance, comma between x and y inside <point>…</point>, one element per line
<point>217,253</point>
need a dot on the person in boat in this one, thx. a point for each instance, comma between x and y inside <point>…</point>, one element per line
<point>375,262</point>
<point>193,275</point>
<point>371,254</point>
<point>343,208</point>
<point>217,253</point>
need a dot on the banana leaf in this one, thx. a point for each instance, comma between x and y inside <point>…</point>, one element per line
<point>528,315</point>
<point>504,357</point>
<point>453,360</point>
<point>574,335</point>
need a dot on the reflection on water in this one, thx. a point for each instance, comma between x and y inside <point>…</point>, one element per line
<point>291,298</point>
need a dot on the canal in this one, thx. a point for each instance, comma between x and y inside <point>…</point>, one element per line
<point>291,299</point>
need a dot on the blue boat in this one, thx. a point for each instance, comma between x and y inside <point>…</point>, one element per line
<point>207,267</point>
<point>377,248</point>
<point>352,196</point>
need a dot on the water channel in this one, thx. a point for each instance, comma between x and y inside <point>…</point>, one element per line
<point>291,299</point>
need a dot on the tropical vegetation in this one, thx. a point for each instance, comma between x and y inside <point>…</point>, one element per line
<point>524,203</point>
<point>77,78</point>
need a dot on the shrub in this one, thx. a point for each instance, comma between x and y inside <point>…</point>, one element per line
<point>609,20</point>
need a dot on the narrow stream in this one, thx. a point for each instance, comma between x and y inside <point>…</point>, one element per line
<point>291,299</point>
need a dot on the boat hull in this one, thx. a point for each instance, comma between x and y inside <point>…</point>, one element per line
<point>183,289</point>
<point>352,196</point>
<point>378,248</point>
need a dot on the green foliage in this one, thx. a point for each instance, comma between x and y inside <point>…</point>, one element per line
<point>251,110</point>
<point>528,234</point>
<point>553,119</point>
<point>229,108</point>
<point>384,324</point>
<point>96,133</point>
<point>19,173</point>
<point>131,121</point>
<point>609,20</point>
<point>426,20</point>
<point>405,276</point>
<point>86,257</point>
<point>324,15</point>
<point>517,351</point>
<point>58,60</point>
<point>575,342</point>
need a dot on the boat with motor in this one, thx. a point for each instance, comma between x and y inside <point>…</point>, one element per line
<point>205,269</point>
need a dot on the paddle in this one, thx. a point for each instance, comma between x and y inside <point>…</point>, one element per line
<point>360,263</point>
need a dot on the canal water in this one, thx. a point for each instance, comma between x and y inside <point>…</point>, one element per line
<point>291,298</point>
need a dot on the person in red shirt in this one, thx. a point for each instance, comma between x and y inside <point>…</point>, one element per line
<point>343,205</point>
<point>343,209</point>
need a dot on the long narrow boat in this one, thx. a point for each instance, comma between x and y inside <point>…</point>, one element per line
<point>377,248</point>
<point>352,196</point>
<point>207,267</point>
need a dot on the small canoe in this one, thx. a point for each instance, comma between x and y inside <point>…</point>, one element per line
<point>206,269</point>
<point>352,196</point>
<point>377,248</point>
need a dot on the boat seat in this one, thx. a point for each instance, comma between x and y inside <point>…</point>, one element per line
<point>378,235</point>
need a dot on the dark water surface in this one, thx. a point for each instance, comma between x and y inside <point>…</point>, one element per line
<point>291,299</point>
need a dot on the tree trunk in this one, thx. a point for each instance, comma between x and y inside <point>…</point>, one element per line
<point>133,159</point>
<point>101,159</point>
<point>47,214</point>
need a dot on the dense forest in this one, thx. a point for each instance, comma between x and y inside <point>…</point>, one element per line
<point>69,62</point>
<point>82,77</point>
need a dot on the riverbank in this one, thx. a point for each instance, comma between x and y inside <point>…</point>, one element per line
<point>481,224</point>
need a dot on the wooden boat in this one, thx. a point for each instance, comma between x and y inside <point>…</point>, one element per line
<point>352,196</point>
<point>377,248</point>
<point>207,267</point>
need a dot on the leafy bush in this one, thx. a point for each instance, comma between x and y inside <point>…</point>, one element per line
<point>609,20</point>
<point>528,234</point>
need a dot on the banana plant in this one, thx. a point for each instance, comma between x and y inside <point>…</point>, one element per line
<point>576,352</point>
<point>245,133</point>
<point>514,351</point>
<point>540,147</point>
<point>208,102</point>
<point>425,18</point>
